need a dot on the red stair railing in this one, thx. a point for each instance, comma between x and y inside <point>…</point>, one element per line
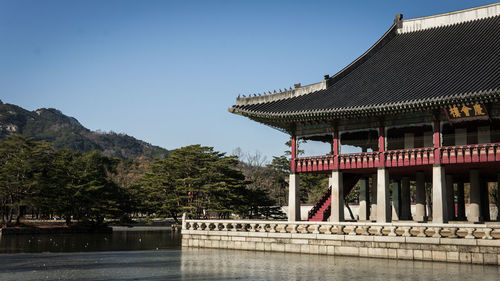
<point>320,203</point>
<point>349,183</point>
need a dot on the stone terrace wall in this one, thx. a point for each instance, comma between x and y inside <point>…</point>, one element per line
<point>444,249</point>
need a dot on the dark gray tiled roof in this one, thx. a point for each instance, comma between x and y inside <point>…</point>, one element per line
<point>457,60</point>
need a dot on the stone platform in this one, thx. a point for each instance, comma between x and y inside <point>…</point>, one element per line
<point>463,243</point>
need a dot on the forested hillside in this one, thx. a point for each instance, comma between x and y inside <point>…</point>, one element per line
<point>49,124</point>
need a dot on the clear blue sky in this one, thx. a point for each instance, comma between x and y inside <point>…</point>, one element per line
<point>166,71</point>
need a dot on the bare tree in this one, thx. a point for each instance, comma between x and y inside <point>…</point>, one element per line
<point>256,159</point>
<point>238,152</point>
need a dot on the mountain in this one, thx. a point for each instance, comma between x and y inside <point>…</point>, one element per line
<point>63,131</point>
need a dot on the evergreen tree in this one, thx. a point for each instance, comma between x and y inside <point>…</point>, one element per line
<point>64,183</point>
<point>196,179</point>
<point>22,171</point>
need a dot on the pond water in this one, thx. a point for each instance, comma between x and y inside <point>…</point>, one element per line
<point>117,241</point>
<point>157,255</point>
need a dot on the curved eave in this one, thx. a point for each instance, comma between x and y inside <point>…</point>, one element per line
<point>370,110</point>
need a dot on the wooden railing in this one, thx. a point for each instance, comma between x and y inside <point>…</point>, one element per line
<point>409,157</point>
<point>358,160</point>
<point>320,203</point>
<point>477,153</point>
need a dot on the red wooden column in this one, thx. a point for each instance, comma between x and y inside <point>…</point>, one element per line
<point>381,146</point>
<point>336,149</point>
<point>437,142</point>
<point>294,153</point>
<point>336,143</point>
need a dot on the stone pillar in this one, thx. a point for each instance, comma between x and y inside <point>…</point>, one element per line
<point>396,200</point>
<point>364,199</point>
<point>293,198</point>
<point>450,198</point>
<point>420,207</point>
<point>475,197</point>
<point>293,142</point>
<point>460,202</point>
<point>439,205</point>
<point>373,201</point>
<point>383,204</point>
<point>485,201</point>
<point>405,199</point>
<point>337,207</point>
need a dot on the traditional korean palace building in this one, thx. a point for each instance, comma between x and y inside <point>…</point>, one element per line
<point>422,104</point>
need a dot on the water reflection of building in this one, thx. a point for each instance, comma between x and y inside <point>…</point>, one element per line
<point>422,107</point>
<point>216,264</point>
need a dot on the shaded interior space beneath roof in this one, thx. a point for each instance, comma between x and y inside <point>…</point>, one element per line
<point>360,141</point>
<point>470,190</point>
<point>308,148</point>
<point>414,136</point>
<point>350,142</point>
<point>409,137</point>
<point>468,133</point>
<point>472,194</point>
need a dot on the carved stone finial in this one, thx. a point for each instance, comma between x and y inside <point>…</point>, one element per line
<point>238,95</point>
<point>398,20</point>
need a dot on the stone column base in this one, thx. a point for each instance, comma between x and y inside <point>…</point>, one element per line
<point>475,219</point>
<point>420,218</point>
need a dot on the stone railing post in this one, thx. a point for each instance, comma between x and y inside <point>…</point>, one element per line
<point>184,217</point>
<point>487,233</point>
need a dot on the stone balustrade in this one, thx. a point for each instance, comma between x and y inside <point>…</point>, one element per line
<point>463,243</point>
<point>420,230</point>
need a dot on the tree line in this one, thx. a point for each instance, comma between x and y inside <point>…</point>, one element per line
<point>35,178</point>
<point>44,182</point>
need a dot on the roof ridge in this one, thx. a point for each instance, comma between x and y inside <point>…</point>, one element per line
<point>387,36</point>
<point>324,84</point>
<point>450,18</point>
<point>282,94</point>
